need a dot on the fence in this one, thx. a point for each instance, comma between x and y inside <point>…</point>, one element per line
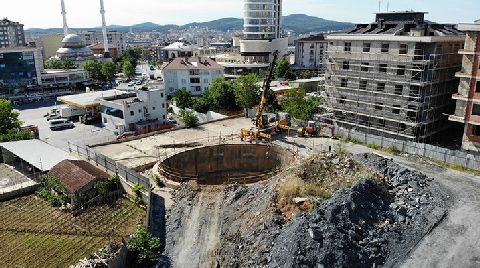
<point>128,175</point>
<point>461,158</point>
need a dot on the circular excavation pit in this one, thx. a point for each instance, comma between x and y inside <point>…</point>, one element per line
<point>225,164</point>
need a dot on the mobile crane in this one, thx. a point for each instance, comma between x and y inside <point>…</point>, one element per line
<point>261,121</point>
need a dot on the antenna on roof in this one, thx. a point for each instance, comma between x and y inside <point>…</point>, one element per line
<point>388,6</point>
<point>379,5</point>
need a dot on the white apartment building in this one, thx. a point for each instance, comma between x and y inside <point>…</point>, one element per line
<point>194,74</point>
<point>114,37</point>
<point>311,52</point>
<point>143,111</point>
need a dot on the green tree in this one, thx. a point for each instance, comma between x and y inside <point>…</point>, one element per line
<point>132,55</point>
<point>128,69</point>
<point>108,70</point>
<point>282,68</point>
<point>183,98</point>
<point>94,70</point>
<point>189,119</point>
<point>59,64</point>
<point>222,95</point>
<point>247,91</point>
<point>8,117</point>
<point>298,105</point>
<point>145,246</point>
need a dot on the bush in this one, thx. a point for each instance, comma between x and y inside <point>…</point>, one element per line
<point>16,135</point>
<point>145,246</point>
<point>137,191</point>
<point>189,119</point>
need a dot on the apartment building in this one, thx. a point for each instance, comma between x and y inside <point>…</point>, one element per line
<point>194,74</point>
<point>468,96</point>
<point>114,37</point>
<point>311,52</point>
<point>11,34</point>
<point>145,109</point>
<point>394,77</point>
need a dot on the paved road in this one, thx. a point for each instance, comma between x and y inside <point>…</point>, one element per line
<point>33,114</point>
<point>455,242</point>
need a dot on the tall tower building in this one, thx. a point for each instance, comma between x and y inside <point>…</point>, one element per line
<point>262,31</point>
<point>11,34</point>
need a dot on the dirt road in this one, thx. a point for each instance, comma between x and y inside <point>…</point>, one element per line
<point>200,232</point>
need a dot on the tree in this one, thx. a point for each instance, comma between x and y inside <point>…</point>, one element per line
<point>183,99</point>
<point>283,66</point>
<point>94,70</point>
<point>145,246</point>
<point>222,95</point>
<point>108,70</point>
<point>298,105</point>
<point>132,55</point>
<point>8,117</point>
<point>189,119</point>
<point>247,91</point>
<point>59,64</point>
<point>128,69</point>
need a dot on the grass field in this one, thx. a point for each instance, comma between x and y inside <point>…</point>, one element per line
<point>33,234</point>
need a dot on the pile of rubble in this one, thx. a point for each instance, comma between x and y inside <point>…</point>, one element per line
<point>374,222</point>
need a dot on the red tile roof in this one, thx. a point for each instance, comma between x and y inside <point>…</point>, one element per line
<point>191,63</point>
<point>76,174</point>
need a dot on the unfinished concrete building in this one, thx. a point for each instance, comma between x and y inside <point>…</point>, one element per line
<point>394,77</point>
<point>468,96</point>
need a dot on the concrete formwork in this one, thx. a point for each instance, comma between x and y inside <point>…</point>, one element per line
<point>241,163</point>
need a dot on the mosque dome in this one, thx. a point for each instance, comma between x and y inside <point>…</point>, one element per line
<point>72,40</point>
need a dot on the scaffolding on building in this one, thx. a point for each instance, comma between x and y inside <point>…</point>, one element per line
<point>403,96</point>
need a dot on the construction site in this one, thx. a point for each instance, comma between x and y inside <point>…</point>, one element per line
<point>394,77</point>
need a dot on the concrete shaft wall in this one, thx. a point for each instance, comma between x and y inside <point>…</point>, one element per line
<point>223,163</point>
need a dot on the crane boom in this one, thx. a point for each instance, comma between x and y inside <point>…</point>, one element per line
<point>265,89</point>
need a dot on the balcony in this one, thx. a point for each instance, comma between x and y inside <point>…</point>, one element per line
<point>464,74</point>
<point>468,52</point>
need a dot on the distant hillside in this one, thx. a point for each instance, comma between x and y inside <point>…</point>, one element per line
<point>299,23</point>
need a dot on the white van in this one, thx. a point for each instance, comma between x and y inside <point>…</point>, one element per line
<point>60,124</point>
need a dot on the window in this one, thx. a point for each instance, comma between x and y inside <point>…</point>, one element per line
<point>366,47</point>
<point>153,108</point>
<point>164,117</point>
<point>344,82</point>
<point>380,86</point>
<point>385,48</point>
<point>205,80</point>
<point>396,109</point>
<point>184,81</point>
<point>347,47</point>
<point>139,111</point>
<point>403,49</point>
<point>198,89</point>
<point>382,68</point>
<point>398,89</point>
<point>161,95</point>
<point>342,99</point>
<point>163,105</point>
<point>363,84</point>
<point>346,65</point>
<point>365,66</point>
<point>378,106</point>
<point>105,120</point>
<point>476,131</point>
<point>132,113</point>
<point>194,72</point>
<point>401,70</point>
<point>476,109</point>
<point>195,80</point>
<point>477,90</point>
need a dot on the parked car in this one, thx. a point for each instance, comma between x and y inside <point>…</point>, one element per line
<point>57,124</point>
<point>53,117</point>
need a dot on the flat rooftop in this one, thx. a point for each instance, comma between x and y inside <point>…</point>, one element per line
<point>91,99</point>
<point>37,153</point>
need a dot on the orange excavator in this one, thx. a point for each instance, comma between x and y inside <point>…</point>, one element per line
<point>261,129</point>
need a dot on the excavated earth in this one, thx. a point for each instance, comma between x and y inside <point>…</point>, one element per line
<point>368,224</point>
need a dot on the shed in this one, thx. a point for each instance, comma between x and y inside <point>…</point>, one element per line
<point>79,178</point>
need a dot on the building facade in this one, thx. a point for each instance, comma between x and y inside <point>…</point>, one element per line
<point>20,66</point>
<point>311,52</point>
<point>194,74</point>
<point>144,110</point>
<point>262,33</point>
<point>467,111</point>
<point>11,34</point>
<point>394,77</point>
<point>115,38</point>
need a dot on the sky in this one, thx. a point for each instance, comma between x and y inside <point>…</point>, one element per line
<point>85,13</point>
